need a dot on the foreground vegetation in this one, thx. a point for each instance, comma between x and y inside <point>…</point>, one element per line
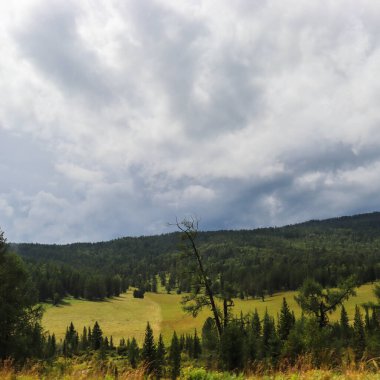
<point>77,370</point>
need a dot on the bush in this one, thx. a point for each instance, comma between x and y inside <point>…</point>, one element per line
<point>138,293</point>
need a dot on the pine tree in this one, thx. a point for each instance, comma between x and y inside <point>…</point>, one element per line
<point>232,346</point>
<point>154,284</point>
<point>367,322</point>
<point>344,324</point>
<point>84,340</point>
<point>175,357</point>
<point>133,352</point>
<point>375,320</point>
<point>96,337</point>
<point>209,335</point>
<point>256,324</point>
<point>19,315</point>
<point>285,322</point>
<point>64,348</point>
<point>160,357</point>
<point>148,353</point>
<point>270,340</point>
<point>252,346</point>
<point>182,342</point>
<point>51,346</point>
<point>122,349</point>
<point>106,344</point>
<point>197,348</point>
<point>71,339</point>
<point>358,334</point>
<point>267,332</point>
<point>189,343</point>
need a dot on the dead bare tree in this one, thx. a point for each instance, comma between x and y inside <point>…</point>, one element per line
<point>189,229</point>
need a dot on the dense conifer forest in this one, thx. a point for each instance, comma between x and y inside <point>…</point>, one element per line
<point>254,263</point>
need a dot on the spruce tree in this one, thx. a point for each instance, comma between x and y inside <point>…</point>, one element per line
<point>51,348</point>
<point>175,357</point>
<point>267,332</point>
<point>375,320</point>
<point>96,337</point>
<point>148,353</point>
<point>270,340</point>
<point>197,348</point>
<point>232,346</point>
<point>256,324</point>
<point>344,324</point>
<point>106,344</point>
<point>285,322</point>
<point>71,339</point>
<point>133,352</point>
<point>182,342</point>
<point>122,349</point>
<point>160,357</point>
<point>358,334</point>
<point>367,322</point>
<point>209,335</point>
<point>19,315</point>
<point>84,340</point>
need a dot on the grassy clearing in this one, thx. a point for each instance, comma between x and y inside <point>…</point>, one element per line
<point>122,316</point>
<point>126,316</point>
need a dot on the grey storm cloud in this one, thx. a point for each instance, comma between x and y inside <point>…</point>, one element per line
<point>119,117</point>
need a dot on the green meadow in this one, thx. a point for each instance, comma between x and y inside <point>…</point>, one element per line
<point>126,316</point>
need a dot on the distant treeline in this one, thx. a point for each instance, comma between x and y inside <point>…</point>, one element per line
<point>249,263</point>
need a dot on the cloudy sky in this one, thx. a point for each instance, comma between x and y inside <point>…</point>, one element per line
<point>116,117</point>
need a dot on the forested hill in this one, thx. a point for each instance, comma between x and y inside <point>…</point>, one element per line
<point>252,261</point>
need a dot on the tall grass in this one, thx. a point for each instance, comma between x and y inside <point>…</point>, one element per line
<point>93,368</point>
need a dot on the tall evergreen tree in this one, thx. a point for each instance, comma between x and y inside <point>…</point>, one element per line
<point>51,348</point>
<point>84,340</point>
<point>96,337</point>
<point>209,335</point>
<point>270,342</point>
<point>197,347</point>
<point>285,322</point>
<point>358,334</point>
<point>231,346</point>
<point>133,352</point>
<point>175,357</point>
<point>160,358</point>
<point>122,348</point>
<point>256,324</point>
<point>344,324</point>
<point>375,320</point>
<point>19,317</point>
<point>148,353</point>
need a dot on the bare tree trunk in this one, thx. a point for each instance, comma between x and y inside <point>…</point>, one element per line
<point>189,228</point>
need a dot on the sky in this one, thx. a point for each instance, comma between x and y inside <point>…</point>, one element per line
<point>117,117</point>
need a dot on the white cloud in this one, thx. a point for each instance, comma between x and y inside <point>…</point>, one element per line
<point>79,174</point>
<point>250,112</point>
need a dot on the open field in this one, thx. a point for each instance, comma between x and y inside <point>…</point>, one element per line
<point>126,316</point>
<point>122,316</point>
